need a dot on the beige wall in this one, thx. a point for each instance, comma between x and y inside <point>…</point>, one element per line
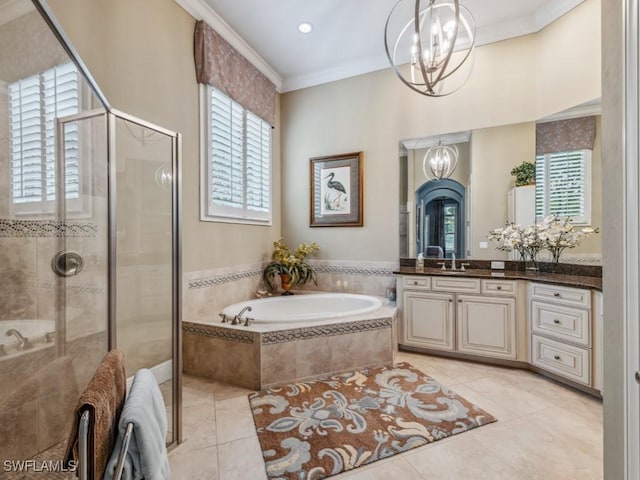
<point>494,152</point>
<point>373,112</point>
<point>569,48</point>
<point>141,55</point>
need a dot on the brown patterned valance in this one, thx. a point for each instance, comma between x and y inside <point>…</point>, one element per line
<point>565,135</point>
<point>220,65</point>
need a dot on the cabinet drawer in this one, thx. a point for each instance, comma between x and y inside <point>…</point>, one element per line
<point>417,283</point>
<point>578,297</point>
<point>499,287</point>
<point>457,285</point>
<point>562,359</point>
<point>565,323</point>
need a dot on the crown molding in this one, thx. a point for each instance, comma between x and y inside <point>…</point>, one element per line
<point>200,10</point>
<point>12,9</point>
<point>554,11</point>
<point>340,72</point>
<point>445,139</point>
<point>496,32</point>
<point>512,28</point>
<point>585,110</point>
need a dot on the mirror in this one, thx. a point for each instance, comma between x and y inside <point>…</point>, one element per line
<point>457,213</point>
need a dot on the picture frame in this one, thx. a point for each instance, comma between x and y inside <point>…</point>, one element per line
<point>336,191</point>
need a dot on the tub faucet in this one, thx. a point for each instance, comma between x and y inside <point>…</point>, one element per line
<point>24,342</point>
<point>237,320</point>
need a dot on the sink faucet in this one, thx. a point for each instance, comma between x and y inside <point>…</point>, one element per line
<point>24,342</point>
<point>453,261</point>
<point>237,320</point>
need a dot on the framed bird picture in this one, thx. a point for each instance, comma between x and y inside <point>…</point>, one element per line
<point>336,191</point>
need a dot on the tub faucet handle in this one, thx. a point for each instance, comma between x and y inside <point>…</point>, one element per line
<point>247,322</point>
<point>223,317</point>
<point>237,320</point>
<point>48,337</point>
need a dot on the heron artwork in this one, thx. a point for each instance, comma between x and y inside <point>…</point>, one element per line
<point>335,197</point>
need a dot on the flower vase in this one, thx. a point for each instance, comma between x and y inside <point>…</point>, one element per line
<point>285,280</point>
<point>531,263</point>
<point>555,259</point>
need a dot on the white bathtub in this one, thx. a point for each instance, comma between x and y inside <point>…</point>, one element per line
<point>304,307</point>
<point>33,330</point>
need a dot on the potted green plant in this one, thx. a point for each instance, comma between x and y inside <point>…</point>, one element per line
<point>290,266</point>
<point>525,174</point>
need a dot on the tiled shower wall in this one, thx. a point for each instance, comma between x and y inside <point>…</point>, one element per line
<point>207,292</point>
<point>28,284</point>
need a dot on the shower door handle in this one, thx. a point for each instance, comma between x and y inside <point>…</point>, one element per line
<point>67,263</point>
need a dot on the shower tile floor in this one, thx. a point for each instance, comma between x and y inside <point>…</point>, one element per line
<point>544,431</point>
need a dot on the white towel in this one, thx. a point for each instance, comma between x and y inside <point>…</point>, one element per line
<point>147,453</point>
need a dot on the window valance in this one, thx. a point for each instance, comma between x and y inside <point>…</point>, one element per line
<point>220,65</point>
<point>565,135</point>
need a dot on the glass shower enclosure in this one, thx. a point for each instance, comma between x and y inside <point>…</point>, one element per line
<point>89,239</point>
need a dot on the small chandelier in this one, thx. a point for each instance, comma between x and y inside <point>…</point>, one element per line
<point>427,42</point>
<point>440,161</point>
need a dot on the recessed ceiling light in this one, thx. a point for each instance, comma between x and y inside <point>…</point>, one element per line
<point>305,27</point>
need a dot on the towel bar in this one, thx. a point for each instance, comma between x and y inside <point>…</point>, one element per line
<point>83,448</point>
<point>123,451</point>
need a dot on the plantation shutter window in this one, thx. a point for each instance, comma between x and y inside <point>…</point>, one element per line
<point>238,112</point>
<point>563,161</point>
<point>34,105</point>
<point>237,162</point>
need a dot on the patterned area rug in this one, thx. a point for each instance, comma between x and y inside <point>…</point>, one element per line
<point>317,429</point>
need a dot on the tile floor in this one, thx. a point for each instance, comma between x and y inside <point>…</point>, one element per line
<point>544,431</point>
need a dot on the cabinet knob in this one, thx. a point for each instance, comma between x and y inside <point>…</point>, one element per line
<point>556,321</point>
<point>459,301</point>
<point>450,300</point>
<point>415,282</point>
<point>556,294</point>
<point>499,287</point>
<point>556,357</point>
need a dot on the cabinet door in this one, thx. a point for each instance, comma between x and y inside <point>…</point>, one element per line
<point>487,326</point>
<point>428,320</point>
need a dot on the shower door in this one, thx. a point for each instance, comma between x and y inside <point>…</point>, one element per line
<point>136,258</point>
<point>145,303</point>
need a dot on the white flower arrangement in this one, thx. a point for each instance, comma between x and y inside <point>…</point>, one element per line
<point>558,233</point>
<point>554,234</point>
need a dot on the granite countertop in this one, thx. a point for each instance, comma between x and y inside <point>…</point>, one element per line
<point>579,281</point>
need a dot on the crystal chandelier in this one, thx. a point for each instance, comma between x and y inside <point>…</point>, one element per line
<point>440,161</point>
<point>437,42</point>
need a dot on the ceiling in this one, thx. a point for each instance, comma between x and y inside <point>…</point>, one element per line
<point>347,37</point>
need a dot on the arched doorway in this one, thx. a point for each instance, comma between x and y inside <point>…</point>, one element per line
<point>440,217</point>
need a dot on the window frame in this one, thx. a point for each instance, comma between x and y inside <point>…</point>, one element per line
<point>80,206</point>
<point>577,220</point>
<point>227,214</point>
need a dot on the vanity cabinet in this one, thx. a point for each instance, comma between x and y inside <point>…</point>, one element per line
<point>487,326</point>
<point>450,314</point>
<point>431,320</point>
<point>562,331</point>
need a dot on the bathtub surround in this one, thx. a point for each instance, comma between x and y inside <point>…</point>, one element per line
<point>207,292</point>
<point>338,423</point>
<point>259,356</point>
<point>367,278</point>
